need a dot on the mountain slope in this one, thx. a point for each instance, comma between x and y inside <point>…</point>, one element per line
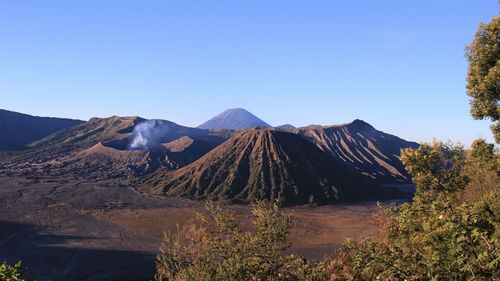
<point>80,137</point>
<point>265,164</point>
<point>102,148</point>
<point>117,132</point>
<point>19,130</point>
<point>362,148</point>
<point>234,119</point>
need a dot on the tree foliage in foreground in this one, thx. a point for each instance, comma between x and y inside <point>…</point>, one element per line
<point>483,77</point>
<point>217,249</point>
<point>443,234</point>
<point>450,232</point>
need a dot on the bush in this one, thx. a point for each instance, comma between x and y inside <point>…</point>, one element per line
<point>11,272</point>
<point>217,249</point>
<point>442,235</point>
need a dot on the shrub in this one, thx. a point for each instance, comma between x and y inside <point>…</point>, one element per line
<point>11,272</point>
<point>217,249</point>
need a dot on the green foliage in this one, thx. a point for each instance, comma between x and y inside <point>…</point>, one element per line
<point>483,78</point>
<point>482,155</point>
<point>11,272</point>
<point>437,242</point>
<point>482,151</point>
<point>218,249</point>
<point>450,237</point>
<point>495,128</point>
<point>436,168</point>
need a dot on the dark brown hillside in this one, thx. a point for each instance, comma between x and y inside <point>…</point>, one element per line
<point>265,164</point>
<point>19,130</point>
<point>362,148</point>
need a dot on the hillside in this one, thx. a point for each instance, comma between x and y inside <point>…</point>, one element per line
<point>360,147</point>
<point>19,130</point>
<point>102,147</point>
<point>234,119</point>
<point>265,164</point>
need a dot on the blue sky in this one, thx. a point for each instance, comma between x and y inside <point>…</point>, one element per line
<point>398,65</point>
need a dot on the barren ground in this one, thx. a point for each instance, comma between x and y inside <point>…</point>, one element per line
<point>63,229</point>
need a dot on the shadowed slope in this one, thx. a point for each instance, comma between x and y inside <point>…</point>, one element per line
<point>265,164</point>
<point>362,148</point>
<point>19,130</point>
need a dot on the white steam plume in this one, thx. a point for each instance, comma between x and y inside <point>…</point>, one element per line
<point>144,135</point>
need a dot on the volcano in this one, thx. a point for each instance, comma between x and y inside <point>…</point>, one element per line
<point>265,164</point>
<point>234,119</point>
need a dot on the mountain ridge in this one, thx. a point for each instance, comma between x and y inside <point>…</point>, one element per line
<point>306,158</point>
<point>20,129</point>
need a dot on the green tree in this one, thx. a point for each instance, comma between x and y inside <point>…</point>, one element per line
<point>442,234</point>
<point>436,168</point>
<point>483,77</point>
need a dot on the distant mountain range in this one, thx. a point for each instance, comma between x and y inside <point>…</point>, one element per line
<point>235,156</point>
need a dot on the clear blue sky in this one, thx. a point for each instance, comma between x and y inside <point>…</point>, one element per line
<point>398,65</point>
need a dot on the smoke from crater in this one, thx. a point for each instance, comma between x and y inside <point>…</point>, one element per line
<point>145,135</point>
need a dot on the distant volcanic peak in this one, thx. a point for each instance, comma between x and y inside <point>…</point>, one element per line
<point>234,119</point>
<point>285,127</point>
